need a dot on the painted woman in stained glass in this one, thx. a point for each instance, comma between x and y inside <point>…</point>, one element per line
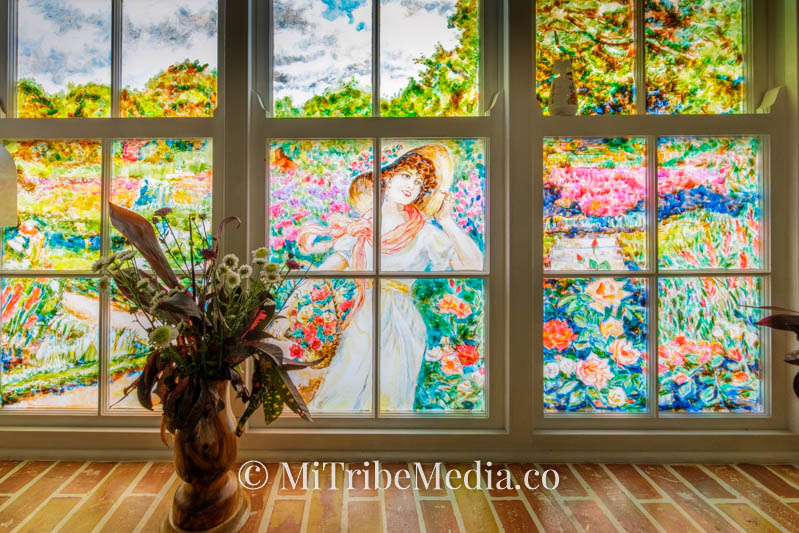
<point>419,233</point>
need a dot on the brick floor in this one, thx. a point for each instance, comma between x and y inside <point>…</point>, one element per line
<point>75,497</point>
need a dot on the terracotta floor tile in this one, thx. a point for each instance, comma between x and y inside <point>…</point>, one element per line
<point>325,514</point>
<point>787,472</point>
<point>568,485</point>
<point>401,516</point>
<point>667,516</point>
<point>286,516</point>
<point>747,517</point>
<point>439,516</point>
<point>590,516</point>
<point>708,518</point>
<point>472,504</point>
<point>162,511</point>
<point>514,516</point>
<point>499,479</point>
<point>93,509</point>
<point>155,478</point>
<point>285,487</point>
<point>768,504</point>
<point>770,480</point>
<point>50,515</point>
<point>628,515</point>
<point>128,515</point>
<point>259,498</point>
<point>6,467</point>
<point>428,471</point>
<point>362,477</point>
<point>706,485</point>
<point>23,476</point>
<point>634,482</point>
<point>31,498</point>
<point>542,501</point>
<point>88,478</point>
<point>364,517</point>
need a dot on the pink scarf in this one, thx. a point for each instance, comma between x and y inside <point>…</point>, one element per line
<point>396,240</point>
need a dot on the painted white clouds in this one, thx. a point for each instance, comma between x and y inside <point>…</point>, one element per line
<point>63,41</point>
<point>313,52</point>
<point>317,46</point>
<point>157,34</point>
<point>410,29</point>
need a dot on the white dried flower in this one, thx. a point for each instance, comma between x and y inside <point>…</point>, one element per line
<point>100,264</point>
<point>127,254</point>
<point>232,280</point>
<point>259,261</point>
<point>245,271</point>
<point>260,253</point>
<point>163,335</point>
<point>272,267</point>
<point>231,261</point>
<point>103,284</point>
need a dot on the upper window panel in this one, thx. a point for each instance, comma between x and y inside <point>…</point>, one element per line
<point>322,63</point>
<point>429,58</point>
<point>169,58</point>
<point>598,39</point>
<point>64,58</point>
<point>694,56</point>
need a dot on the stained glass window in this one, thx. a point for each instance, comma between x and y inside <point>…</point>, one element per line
<point>449,207</point>
<point>49,343</point>
<point>330,320</point>
<point>594,204</point>
<point>709,354</point>
<point>169,58</point>
<point>432,350</point>
<point>598,39</point>
<point>595,345</point>
<point>429,58</point>
<point>709,193</point>
<point>322,63</point>
<point>128,351</point>
<point>59,201</point>
<point>318,207</point>
<point>63,58</point>
<point>694,56</point>
<point>151,174</point>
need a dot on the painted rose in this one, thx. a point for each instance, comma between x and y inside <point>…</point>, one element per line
<point>551,370</point>
<point>296,351</point>
<point>467,353</point>
<point>612,327</point>
<point>567,365</point>
<point>451,304</point>
<point>558,335</point>
<point>594,371</point>
<point>624,353</point>
<point>451,365</point>
<point>616,397</point>
<point>466,387</point>
<point>435,354</point>
<point>605,293</point>
<point>478,377</point>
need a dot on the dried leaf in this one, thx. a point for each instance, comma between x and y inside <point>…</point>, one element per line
<point>147,379</point>
<point>293,399</point>
<point>139,232</point>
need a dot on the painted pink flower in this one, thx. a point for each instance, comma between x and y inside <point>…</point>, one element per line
<point>451,365</point>
<point>277,243</point>
<point>624,353</point>
<point>594,371</point>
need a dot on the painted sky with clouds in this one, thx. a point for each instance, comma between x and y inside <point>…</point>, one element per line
<point>321,43</point>
<point>63,41</point>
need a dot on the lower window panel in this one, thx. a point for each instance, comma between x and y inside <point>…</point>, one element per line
<point>710,350</point>
<point>50,343</point>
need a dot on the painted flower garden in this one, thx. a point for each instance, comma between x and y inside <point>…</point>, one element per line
<point>595,345</point>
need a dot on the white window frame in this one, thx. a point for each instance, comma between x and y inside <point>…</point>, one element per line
<point>516,427</point>
<point>106,130</point>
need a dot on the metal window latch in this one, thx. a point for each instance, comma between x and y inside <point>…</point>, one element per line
<point>261,102</point>
<point>769,99</point>
<point>2,111</point>
<point>493,102</point>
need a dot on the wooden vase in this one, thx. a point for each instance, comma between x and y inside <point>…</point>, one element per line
<point>210,498</point>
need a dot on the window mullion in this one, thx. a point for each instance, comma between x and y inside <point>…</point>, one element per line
<point>376,280</point>
<point>8,56</point>
<point>640,57</point>
<point>376,59</point>
<point>652,278</point>
<point>116,56</point>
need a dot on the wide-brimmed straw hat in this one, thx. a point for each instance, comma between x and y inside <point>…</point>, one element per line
<point>361,187</point>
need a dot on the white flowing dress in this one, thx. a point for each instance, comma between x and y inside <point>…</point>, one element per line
<point>403,334</point>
